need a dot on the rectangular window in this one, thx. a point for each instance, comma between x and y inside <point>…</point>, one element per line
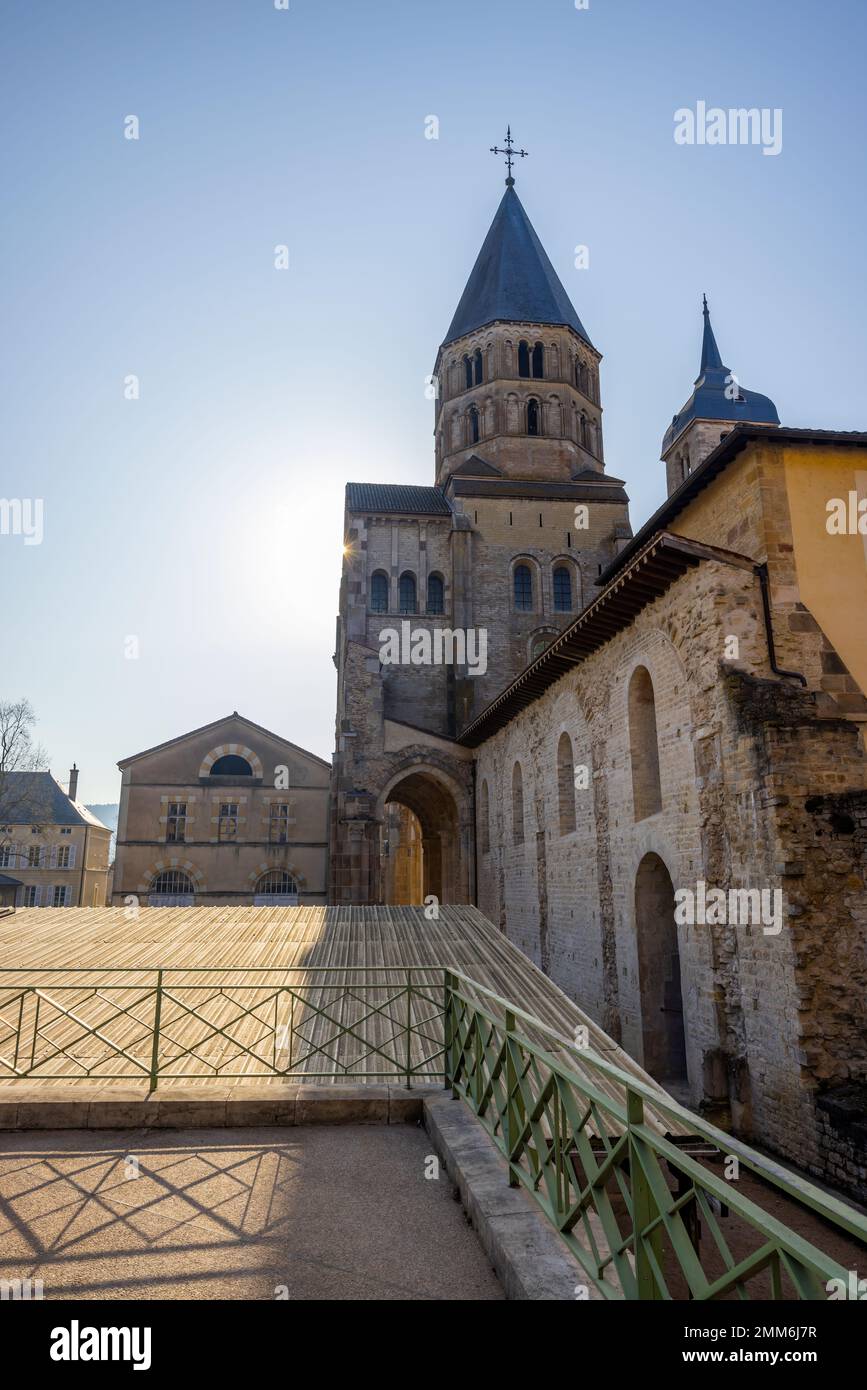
<point>176,824</point>
<point>34,856</point>
<point>228,820</point>
<point>58,895</point>
<point>278,830</point>
<point>67,830</point>
<point>7,856</point>
<point>30,895</point>
<point>63,857</point>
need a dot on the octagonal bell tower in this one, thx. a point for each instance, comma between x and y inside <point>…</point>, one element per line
<point>518,377</point>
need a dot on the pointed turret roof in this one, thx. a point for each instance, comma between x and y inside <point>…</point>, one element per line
<point>718,395</point>
<point>710,358</point>
<point>513,279</point>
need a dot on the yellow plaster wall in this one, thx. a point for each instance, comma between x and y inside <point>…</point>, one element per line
<point>831,570</point>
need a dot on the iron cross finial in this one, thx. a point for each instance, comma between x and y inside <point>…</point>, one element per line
<point>511,154</point>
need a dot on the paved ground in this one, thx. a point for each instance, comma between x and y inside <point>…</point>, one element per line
<point>341,1212</point>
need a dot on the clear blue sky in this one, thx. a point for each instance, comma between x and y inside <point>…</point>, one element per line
<point>205,519</point>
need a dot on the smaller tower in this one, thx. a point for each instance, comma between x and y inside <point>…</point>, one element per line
<point>717,403</point>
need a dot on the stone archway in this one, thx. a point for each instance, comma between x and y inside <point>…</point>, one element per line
<point>423,845</point>
<point>662,1025</point>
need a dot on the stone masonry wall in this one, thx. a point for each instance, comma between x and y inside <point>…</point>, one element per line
<point>755,774</point>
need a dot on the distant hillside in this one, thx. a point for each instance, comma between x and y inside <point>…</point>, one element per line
<point>107,814</point>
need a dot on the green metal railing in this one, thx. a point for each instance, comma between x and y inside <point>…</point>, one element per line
<point>182,1025</point>
<point>628,1199</point>
<point>624,1173</point>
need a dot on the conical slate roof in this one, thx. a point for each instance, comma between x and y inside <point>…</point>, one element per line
<point>714,395</point>
<point>512,278</point>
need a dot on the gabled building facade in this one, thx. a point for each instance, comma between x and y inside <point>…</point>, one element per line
<point>51,844</point>
<point>229,813</point>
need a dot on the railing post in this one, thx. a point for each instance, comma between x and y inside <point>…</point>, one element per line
<point>18,1029</point>
<point>155,1050</point>
<point>510,1117</point>
<point>643,1205</point>
<point>409,1030</point>
<point>477,1056</point>
<point>448,1005</point>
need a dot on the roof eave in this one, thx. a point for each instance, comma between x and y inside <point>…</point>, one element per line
<point>663,560</point>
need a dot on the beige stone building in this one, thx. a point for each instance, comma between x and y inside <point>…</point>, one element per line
<point>657,787</point>
<point>53,848</point>
<point>228,813</point>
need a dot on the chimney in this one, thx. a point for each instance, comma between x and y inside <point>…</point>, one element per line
<point>73,782</point>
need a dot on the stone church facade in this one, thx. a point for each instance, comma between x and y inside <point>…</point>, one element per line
<point>661,717</point>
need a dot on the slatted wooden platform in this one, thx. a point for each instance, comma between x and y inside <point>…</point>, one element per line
<point>284,940</point>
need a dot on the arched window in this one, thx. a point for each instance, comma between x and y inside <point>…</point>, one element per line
<point>517,805</point>
<point>540,644</point>
<point>532,416</point>
<point>566,784</point>
<point>644,745</point>
<point>277,883</point>
<point>275,888</point>
<point>435,594</point>
<point>474,425</point>
<point>562,589</point>
<point>523,581</point>
<point>585,441</point>
<point>523,359</point>
<point>379,592</point>
<point>485,819</point>
<point>406,593</point>
<point>538,360</point>
<point>171,888</point>
<point>468,371</point>
<point>231,765</point>
<point>478,369</point>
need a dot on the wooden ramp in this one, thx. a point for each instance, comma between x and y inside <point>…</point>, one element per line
<point>232,943</point>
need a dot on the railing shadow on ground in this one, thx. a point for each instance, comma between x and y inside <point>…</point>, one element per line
<point>259,1214</point>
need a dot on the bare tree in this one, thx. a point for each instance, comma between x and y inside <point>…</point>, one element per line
<point>21,799</point>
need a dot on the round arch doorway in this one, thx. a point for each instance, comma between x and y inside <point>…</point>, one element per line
<point>662,1025</point>
<point>422,850</point>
